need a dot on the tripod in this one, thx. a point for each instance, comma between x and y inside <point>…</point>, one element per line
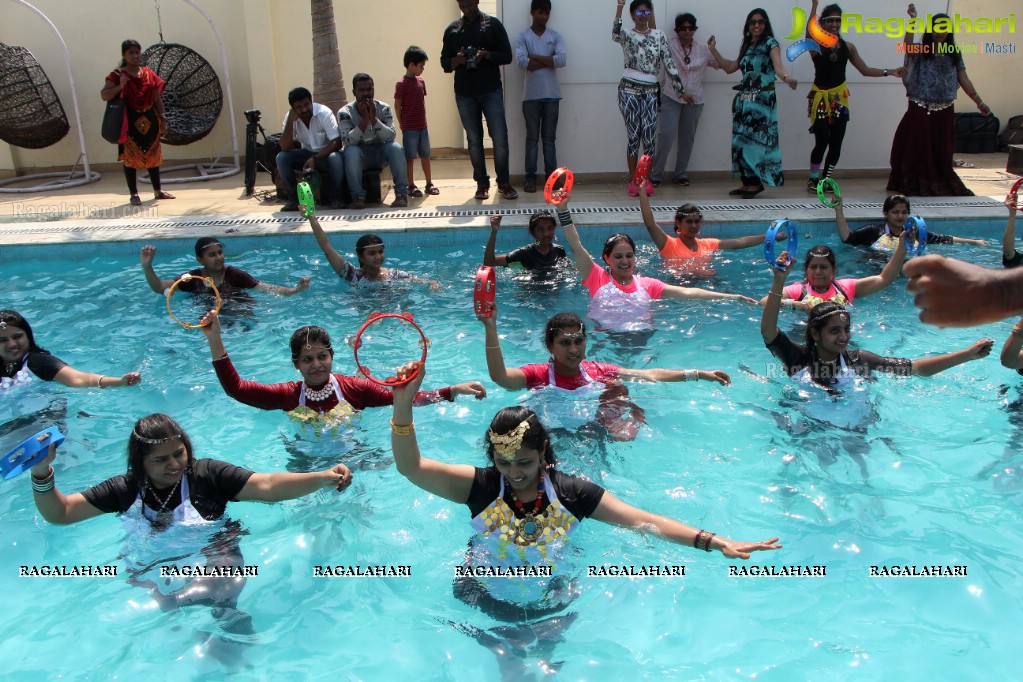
<point>253,126</point>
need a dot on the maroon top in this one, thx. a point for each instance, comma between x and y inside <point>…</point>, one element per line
<point>360,393</point>
<point>412,93</point>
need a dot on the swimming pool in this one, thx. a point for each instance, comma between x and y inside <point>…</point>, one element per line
<point>943,485</point>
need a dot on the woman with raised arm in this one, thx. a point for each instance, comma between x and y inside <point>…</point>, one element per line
<point>1011,258</point>
<point>885,236</point>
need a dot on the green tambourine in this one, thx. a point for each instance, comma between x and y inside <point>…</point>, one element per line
<point>306,199</point>
<point>828,183</point>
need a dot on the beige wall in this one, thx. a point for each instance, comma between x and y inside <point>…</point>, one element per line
<point>269,51</point>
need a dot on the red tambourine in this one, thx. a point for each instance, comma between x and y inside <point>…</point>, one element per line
<point>392,381</point>
<point>1014,193</point>
<point>485,288</point>
<point>549,194</point>
<point>642,170</point>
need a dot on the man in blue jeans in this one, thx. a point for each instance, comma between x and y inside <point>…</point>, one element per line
<point>540,50</point>
<point>367,128</point>
<point>315,127</point>
<point>474,49</point>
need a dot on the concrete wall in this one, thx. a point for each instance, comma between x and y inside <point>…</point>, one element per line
<point>269,51</point>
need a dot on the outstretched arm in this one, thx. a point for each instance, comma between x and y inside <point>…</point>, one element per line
<point>285,485</point>
<point>871,285</point>
<point>671,375</point>
<point>614,511</point>
<point>926,367</point>
<point>302,285</point>
<point>695,293</point>
<point>861,66</point>
<point>69,376</point>
<point>747,242</point>
<point>337,262</point>
<point>656,233</point>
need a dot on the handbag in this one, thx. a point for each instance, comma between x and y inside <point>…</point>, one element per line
<point>113,120</point>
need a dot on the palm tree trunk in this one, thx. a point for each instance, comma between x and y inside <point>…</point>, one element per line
<point>328,81</point>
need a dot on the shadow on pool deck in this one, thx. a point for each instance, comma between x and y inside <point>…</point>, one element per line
<point>221,206</point>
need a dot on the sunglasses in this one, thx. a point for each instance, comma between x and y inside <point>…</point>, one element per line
<point>757,22</point>
<point>643,12</point>
<point>685,28</point>
<point>827,20</point>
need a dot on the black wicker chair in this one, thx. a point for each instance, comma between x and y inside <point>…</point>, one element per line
<point>31,115</point>
<point>192,96</point>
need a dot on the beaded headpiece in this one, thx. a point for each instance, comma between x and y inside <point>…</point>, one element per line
<point>837,311</point>
<point>574,335</point>
<point>507,444</point>
<point>154,441</point>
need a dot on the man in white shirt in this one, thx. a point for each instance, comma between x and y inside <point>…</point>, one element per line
<point>367,128</point>
<point>314,126</point>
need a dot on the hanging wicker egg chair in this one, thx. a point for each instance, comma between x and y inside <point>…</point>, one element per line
<point>31,115</point>
<point>192,97</point>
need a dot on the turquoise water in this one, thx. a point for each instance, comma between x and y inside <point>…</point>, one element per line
<point>942,486</point>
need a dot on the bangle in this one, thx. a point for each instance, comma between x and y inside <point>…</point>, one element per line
<point>885,72</point>
<point>690,375</point>
<point>565,218</point>
<point>403,429</point>
<point>703,538</point>
<point>774,293</point>
<point>43,485</point>
<point>497,347</point>
<point>99,381</point>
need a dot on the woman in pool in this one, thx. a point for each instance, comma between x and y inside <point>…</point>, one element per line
<point>369,249</point>
<point>885,237</point>
<point>826,360</point>
<point>166,487</point>
<point>1011,258</point>
<point>620,299</point>
<point>820,283</point>
<point>568,370</point>
<point>21,360</point>
<point>828,99</point>
<point>322,395</point>
<point>688,251</point>
<point>524,510</point>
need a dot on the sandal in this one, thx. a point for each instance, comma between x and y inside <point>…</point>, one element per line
<point>414,191</point>
<point>432,188</point>
<point>165,195</point>
<point>136,200</point>
<point>482,192</point>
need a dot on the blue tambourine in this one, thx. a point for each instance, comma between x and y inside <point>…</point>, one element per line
<point>771,237</point>
<point>921,234</point>
<point>30,452</point>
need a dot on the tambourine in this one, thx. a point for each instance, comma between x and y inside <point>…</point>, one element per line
<point>392,381</point>
<point>556,197</point>
<point>484,290</point>
<point>1014,192</point>
<point>306,199</point>
<point>642,170</point>
<point>921,234</point>
<point>29,453</point>
<point>185,278</point>
<point>772,235</point>
<point>824,186</point>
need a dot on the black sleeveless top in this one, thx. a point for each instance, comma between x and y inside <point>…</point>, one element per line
<point>830,74</point>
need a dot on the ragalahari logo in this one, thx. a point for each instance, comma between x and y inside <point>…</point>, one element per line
<point>818,36</point>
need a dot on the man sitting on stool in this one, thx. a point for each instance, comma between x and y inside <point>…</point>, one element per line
<point>367,128</point>
<point>315,127</point>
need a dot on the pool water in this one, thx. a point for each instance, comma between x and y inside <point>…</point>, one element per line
<point>929,474</point>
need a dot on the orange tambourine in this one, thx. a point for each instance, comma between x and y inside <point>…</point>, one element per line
<point>642,170</point>
<point>557,197</point>
<point>1014,193</point>
<point>392,381</point>
<point>484,289</point>
<point>185,278</point>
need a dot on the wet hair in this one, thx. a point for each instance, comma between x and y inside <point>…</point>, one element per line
<point>747,37</point>
<point>298,94</point>
<point>556,323</point>
<point>204,243</point>
<point>125,46</point>
<point>158,427</point>
<point>542,5</point>
<point>414,55</point>
<point>819,316</point>
<point>538,215</point>
<point>830,10</point>
<point>819,251</point>
<point>15,319</point>
<point>688,209</point>
<point>890,202</point>
<point>613,240</point>
<point>681,19</point>
<point>364,242</point>
<point>636,4</point>
<point>359,77</point>
<point>536,435</point>
<point>306,336</point>
<point>928,38</point>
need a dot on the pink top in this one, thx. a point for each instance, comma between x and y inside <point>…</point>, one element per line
<point>599,277</point>
<point>795,291</point>
<point>622,308</point>
<point>539,375</point>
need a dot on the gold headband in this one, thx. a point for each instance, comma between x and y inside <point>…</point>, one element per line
<point>154,441</point>
<point>572,335</point>
<point>825,316</point>
<point>506,445</point>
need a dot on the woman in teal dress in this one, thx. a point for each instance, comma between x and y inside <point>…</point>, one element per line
<point>756,149</point>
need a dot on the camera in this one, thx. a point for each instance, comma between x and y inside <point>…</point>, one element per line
<point>252,115</point>
<point>470,55</point>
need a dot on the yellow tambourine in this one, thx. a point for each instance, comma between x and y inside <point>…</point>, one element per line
<point>185,278</point>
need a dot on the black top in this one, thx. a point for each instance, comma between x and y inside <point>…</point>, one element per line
<point>211,485</point>
<point>40,363</point>
<point>578,496</point>
<point>530,258</point>
<point>868,234</point>
<point>485,33</point>
<point>796,356</point>
<point>829,74</point>
<point>1014,262</point>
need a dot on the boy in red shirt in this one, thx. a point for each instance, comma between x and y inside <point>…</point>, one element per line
<point>410,105</point>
